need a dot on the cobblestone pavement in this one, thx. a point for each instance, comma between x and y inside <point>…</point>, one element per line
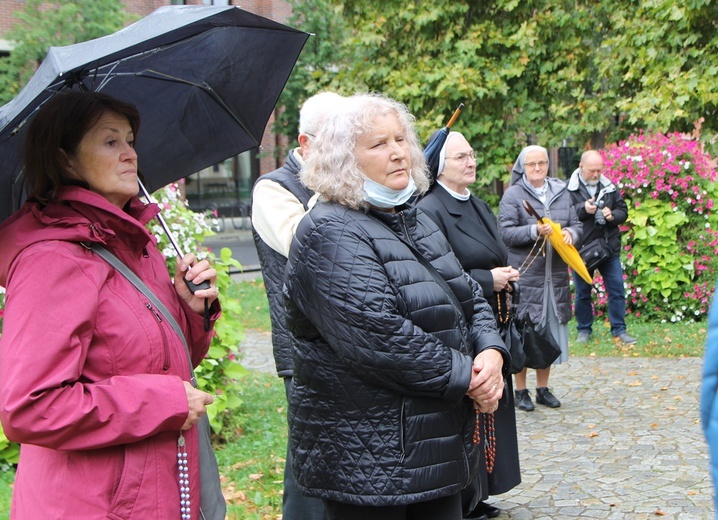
<point>626,443</point>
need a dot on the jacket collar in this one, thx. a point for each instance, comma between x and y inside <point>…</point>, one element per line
<point>79,215</point>
<point>574,182</point>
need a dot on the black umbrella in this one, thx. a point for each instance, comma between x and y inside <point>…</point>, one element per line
<point>436,143</point>
<point>205,80</point>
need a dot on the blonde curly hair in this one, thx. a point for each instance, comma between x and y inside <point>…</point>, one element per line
<point>332,170</point>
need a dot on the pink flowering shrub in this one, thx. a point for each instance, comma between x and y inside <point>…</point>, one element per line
<point>670,240</point>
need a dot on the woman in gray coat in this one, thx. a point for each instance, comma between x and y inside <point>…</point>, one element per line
<point>545,290</point>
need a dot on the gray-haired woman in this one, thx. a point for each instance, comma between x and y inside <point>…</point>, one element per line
<point>395,347</point>
<point>545,289</point>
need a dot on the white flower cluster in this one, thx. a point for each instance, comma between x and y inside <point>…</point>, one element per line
<point>187,227</point>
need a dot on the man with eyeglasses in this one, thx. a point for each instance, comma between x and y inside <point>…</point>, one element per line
<point>601,209</point>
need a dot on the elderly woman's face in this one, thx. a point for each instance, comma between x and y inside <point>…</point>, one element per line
<point>383,153</point>
<point>536,167</point>
<point>460,167</point>
<point>106,159</point>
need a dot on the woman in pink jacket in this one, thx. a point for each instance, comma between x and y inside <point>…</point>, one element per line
<point>93,382</point>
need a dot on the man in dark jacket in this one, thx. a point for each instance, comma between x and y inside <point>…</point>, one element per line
<point>602,210</point>
<point>279,202</point>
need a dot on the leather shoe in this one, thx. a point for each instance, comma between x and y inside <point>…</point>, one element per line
<point>523,400</point>
<point>627,338</point>
<point>476,516</point>
<point>487,509</point>
<point>546,398</point>
<point>583,337</point>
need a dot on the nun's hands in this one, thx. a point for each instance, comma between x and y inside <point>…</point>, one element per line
<point>544,229</point>
<point>196,272</point>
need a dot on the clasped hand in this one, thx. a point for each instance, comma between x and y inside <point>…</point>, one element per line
<point>502,276</point>
<point>487,381</point>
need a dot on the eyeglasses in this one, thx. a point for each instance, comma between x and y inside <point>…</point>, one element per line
<point>532,165</point>
<point>462,157</point>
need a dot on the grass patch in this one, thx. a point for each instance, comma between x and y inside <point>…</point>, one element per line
<point>252,297</point>
<point>6,479</point>
<point>252,465</point>
<point>654,340</point>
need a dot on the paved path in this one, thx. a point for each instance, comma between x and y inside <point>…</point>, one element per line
<point>626,443</point>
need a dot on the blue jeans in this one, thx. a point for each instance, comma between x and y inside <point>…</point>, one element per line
<point>612,274</point>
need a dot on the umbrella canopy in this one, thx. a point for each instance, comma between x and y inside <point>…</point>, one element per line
<point>204,78</point>
<point>567,252</point>
<point>436,143</point>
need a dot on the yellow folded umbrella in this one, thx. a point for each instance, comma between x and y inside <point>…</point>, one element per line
<point>567,252</point>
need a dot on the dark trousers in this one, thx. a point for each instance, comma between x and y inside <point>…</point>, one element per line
<point>612,274</point>
<point>296,506</point>
<point>446,508</point>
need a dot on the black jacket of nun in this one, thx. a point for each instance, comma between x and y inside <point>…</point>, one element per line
<point>472,231</point>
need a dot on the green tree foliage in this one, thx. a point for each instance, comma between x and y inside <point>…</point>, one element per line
<point>318,64</point>
<point>662,55</point>
<point>53,23</point>
<point>545,70</point>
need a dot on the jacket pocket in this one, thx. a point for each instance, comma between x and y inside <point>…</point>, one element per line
<point>166,349</point>
<point>402,428</point>
<point>130,481</point>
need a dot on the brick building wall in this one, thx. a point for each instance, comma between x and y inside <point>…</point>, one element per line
<point>277,10</point>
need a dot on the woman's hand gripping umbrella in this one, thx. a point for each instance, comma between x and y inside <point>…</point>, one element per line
<point>567,252</point>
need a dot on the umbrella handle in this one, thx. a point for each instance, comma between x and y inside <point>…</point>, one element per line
<point>455,116</point>
<point>193,287</point>
<point>531,211</point>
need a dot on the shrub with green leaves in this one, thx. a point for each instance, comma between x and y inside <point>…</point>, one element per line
<point>220,371</point>
<point>670,242</point>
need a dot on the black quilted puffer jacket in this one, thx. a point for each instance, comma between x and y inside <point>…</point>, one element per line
<point>382,358</point>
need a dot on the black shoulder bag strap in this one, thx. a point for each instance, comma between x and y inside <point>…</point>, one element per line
<point>432,271</point>
<point>212,505</point>
<point>439,279</point>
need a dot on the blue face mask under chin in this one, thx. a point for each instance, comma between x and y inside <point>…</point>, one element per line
<point>380,196</point>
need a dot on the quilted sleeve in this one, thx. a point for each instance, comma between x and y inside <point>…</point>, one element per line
<point>484,333</point>
<point>514,229</point>
<point>337,282</point>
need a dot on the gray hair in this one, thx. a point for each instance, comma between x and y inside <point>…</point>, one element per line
<point>315,109</point>
<point>332,169</point>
